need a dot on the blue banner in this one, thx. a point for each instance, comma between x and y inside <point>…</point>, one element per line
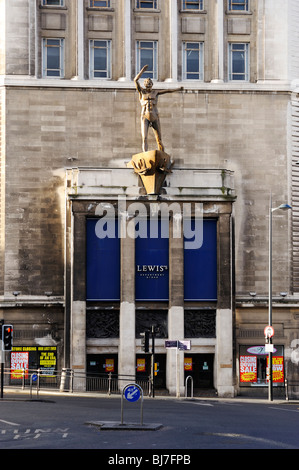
<point>102,264</point>
<point>151,265</point>
<point>200,265</point>
<point>152,270</point>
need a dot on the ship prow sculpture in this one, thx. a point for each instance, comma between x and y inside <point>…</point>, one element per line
<point>151,165</point>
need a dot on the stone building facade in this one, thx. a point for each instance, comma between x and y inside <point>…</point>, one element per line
<point>70,122</point>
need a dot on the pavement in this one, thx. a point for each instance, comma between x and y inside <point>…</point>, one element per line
<point>11,392</point>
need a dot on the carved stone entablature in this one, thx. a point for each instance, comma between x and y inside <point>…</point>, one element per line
<point>200,324</point>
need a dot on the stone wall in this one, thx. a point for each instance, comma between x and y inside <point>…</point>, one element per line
<point>51,129</point>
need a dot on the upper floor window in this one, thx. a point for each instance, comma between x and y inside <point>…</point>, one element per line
<point>240,5</point>
<point>238,61</point>
<point>193,61</point>
<point>146,54</point>
<point>146,4</point>
<point>53,57</point>
<point>59,3</point>
<point>100,58</point>
<point>98,3</point>
<point>192,4</point>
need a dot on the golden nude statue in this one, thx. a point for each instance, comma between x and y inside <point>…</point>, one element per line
<point>149,112</point>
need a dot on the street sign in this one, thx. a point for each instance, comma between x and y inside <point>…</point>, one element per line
<point>171,344</point>
<point>182,345</point>
<point>34,377</point>
<point>132,393</point>
<point>269,332</point>
<point>269,348</point>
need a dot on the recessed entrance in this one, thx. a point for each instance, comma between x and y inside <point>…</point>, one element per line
<point>200,368</point>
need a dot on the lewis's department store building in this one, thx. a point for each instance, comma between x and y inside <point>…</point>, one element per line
<point>70,136</point>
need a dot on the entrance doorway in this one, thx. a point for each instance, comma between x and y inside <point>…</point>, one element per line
<point>102,363</point>
<point>201,368</point>
<point>99,368</point>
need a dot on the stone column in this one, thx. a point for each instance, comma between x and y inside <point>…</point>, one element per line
<point>78,302</point>
<point>173,41</point>
<point>219,53</point>
<point>175,359</point>
<point>127,341</point>
<point>80,39</point>
<point>224,315</point>
<point>127,39</point>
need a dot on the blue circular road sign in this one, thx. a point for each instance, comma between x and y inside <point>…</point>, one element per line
<point>132,393</point>
<point>34,377</point>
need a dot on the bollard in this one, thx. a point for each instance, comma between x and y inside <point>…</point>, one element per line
<point>186,386</point>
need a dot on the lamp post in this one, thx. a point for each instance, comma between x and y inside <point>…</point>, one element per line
<point>271,210</point>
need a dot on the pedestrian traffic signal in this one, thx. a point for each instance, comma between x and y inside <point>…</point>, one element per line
<point>145,341</point>
<point>7,334</point>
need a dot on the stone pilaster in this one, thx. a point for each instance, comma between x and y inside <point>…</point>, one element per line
<point>175,359</point>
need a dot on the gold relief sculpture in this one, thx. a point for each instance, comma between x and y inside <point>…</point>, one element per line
<point>153,165</point>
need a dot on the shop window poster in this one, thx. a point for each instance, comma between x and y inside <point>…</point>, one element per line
<point>248,369</point>
<point>19,364</point>
<point>277,369</point>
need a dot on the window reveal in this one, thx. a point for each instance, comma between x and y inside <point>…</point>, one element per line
<point>238,67</point>
<point>193,61</point>
<point>53,57</point>
<point>100,59</point>
<point>146,54</point>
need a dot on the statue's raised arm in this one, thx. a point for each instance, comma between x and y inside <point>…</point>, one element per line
<point>138,76</point>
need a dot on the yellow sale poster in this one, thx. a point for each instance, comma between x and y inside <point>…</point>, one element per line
<point>109,365</point>
<point>277,369</point>
<point>141,365</point>
<point>188,363</point>
<point>248,369</point>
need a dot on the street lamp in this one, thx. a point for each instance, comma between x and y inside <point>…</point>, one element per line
<point>283,207</point>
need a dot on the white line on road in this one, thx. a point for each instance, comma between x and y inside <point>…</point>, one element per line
<point>8,422</point>
<point>283,409</point>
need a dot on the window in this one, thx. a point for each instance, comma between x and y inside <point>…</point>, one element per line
<point>193,61</point>
<point>241,5</point>
<point>192,4</point>
<point>254,362</point>
<point>52,57</point>
<point>146,4</point>
<point>97,3</point>
<point>100,59</point>
<point>59,3</point>
<point>146,54</point>
<point>238,66</point>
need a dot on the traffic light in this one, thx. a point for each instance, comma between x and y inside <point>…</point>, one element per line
<point>145,341</point>
<point>7,334</point>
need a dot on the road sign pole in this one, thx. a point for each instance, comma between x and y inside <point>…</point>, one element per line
<point>132,393</point>
<point>153,361</point>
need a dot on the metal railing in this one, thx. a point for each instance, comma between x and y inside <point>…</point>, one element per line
<point>69,380</point>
